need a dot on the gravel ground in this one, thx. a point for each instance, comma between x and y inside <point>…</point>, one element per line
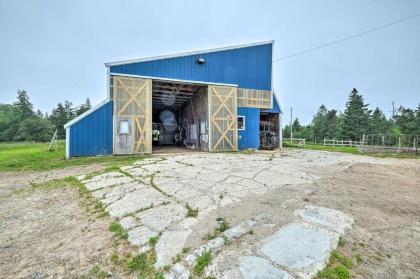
<point>47,233</point>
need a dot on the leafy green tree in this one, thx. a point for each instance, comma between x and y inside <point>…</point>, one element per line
<point>9,122</point>
<point>356,117</point>
<point>35,129</point>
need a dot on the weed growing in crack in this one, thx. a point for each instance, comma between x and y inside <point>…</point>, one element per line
<point>202,261</point>
<point>153,240</point>
<point>224,225</point>
<point>119,232</point>
<point>190,211</point>
<point>341,242</point>
<point>177,258</point>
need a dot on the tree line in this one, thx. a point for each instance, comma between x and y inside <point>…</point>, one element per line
<point>356,120</point>
<point>20,122</point>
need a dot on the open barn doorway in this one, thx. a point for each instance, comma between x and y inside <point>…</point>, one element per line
<point>179,117</point>
<point>269,131</point>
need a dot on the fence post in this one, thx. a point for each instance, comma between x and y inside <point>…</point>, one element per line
<point>350,143</point>
<point>333,142</point>
<point>399,142</point>
<point>324,141</point>
<point>342,142</point>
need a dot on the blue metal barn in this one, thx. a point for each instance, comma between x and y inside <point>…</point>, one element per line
<point>212,100</point>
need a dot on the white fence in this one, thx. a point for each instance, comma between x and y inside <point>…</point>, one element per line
<point>298,141</point>
<point>336,142</point>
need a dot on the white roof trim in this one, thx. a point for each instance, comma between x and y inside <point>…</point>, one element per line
<point>86,113</point>
<point>176,80</point>
<point>278,101</point>
<point>130,61</point>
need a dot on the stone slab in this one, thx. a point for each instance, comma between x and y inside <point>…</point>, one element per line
<point>300,247</point>
<point>159,218</point>
<point>135,201</point>
<point>326,217</point>
<point>169,245</point>
<point>259,268</point>
<point>140,235</point>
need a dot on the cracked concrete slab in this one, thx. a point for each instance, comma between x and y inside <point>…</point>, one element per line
<point>161,217</point>
<point>259,268</point>
<point>209,182</point>
<point>140,235</point>
<point>326,217</point>
<point>301,247</point>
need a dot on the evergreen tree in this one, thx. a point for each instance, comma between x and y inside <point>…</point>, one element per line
<point>24,105</point>
<point>84,107</point>
<point>331,123</point>
<point>59,116</point>
<point>405,120</point>
<point>378,123</point>
<point>319,123</point>
<point>356,117</point>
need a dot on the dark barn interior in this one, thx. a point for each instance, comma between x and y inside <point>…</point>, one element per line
<point>179,116</point>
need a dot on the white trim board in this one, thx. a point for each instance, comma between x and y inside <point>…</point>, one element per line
<point>175,80</point>
<point>86,113</point>
<point>153,58</point>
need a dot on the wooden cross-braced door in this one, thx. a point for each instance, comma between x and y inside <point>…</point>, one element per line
<point>222,108</point>
<point>132,115</point>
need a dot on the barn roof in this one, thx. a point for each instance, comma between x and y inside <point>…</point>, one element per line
<point>153,58</point>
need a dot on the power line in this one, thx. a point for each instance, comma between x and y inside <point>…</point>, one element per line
<point>346,38</point>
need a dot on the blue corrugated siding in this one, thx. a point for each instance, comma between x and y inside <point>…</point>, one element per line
<point>250,137</point>
<point>92,135</point>
<point>248,67</point>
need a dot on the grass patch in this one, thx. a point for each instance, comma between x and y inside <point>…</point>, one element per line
<point>337,268</point>
<point>191,212</point>
<point>119,232</point>
<point>36,157</point>
<point>352,150</point>
<point>141,265</point>
<point>202,261</point>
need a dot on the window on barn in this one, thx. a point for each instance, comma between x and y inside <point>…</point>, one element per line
<point>124,127</point>
<point>241,122</point>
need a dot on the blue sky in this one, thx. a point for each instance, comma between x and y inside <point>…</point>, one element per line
<point>56,49</point>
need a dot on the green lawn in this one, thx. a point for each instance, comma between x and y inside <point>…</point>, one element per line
<point>36,157</point>
<point>351,150</point>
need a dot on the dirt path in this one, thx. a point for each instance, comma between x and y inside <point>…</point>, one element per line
<point>45,233</point>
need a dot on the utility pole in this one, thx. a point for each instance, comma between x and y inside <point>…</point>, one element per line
<point>291,125</point>
<point>393,110</point>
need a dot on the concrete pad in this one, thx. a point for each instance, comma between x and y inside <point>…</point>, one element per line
<point>169,245</point>
<point>159,218</point>
<point>107,182</point>
<point>329,218</point>
<point>239,230</point>
<point>301,247</point>
<point>128,222</point>
<point>178,271</point>
<point>259,268</point>
<point>140,235</point>
<point>136,201</point>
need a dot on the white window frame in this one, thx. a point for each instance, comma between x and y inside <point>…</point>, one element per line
<point>120,132</point>
<point>237,122</point>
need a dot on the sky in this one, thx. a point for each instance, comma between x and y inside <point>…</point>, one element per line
<point>56,50</point>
